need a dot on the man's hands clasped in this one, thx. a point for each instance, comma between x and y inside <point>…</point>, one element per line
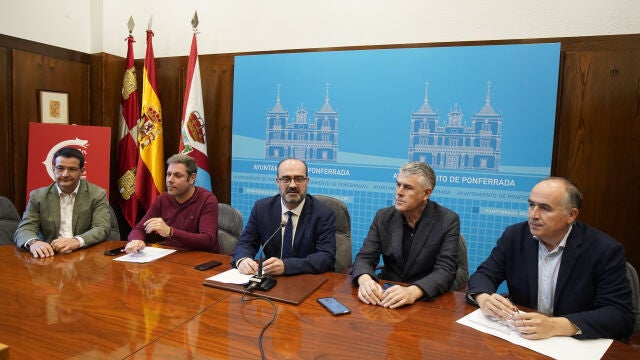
<point>370,292</point>
<point>530,325</point>
<point>272,266</point>
<point>42,249</point>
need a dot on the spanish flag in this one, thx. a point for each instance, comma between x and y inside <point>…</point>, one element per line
<point>150,177</point>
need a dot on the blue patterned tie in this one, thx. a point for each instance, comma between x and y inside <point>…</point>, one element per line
<point>288,237</point>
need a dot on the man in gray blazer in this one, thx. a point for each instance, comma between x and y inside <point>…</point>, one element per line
<point>67,215</point>
<point>418,241</point>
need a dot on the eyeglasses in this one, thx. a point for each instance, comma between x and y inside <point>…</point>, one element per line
<point>71,170</point>
<point>297,179</point>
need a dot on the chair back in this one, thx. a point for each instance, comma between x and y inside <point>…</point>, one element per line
<point>9,220</point>
<point>632,276</point>
<point>229,227</point>
<point>343,232</point>
<point>114,229</point>
<point>462,272</point>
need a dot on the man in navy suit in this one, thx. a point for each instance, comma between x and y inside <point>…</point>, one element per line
<point>572,274</point>
<point>418,242</point>
<point>311,248</point>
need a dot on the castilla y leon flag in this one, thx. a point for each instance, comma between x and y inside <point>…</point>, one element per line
<point>193,138</point>
<point>150,177</point>
<point>128,140</point>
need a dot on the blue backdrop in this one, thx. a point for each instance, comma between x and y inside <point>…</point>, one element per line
<point>482,116</point>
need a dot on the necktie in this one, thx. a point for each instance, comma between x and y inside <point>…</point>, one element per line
<point>288,237</point>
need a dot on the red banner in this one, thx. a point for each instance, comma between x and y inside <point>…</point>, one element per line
<point>46,139</point>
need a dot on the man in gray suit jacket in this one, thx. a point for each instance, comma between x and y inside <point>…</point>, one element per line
<point>418,241</point>
<point>67,215</point>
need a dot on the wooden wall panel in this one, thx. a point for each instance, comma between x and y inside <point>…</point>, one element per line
<point>33,72</point>
<point>170,74</point>
<point>598,139</point>
<point>218,105</point>
<point>106,88</point>
<point>106,72</point>
<point>6,161</point>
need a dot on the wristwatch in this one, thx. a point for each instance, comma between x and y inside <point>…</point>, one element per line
<point>27,245</point>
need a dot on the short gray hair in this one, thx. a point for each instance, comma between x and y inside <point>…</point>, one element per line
<point>572,196</point>
<point>188,162</point>
<point>426,173</point>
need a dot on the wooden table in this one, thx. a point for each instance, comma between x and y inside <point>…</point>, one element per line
<point>84,305</point>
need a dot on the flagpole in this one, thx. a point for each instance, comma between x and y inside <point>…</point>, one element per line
<point>195,22</point>
<point>193,136</point>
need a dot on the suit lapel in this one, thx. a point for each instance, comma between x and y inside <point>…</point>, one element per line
<point>53,206</point>
<point>305,215</point>
<point>275,217</point>
<point>83,190</point>
<point>531,264</point>
<point>396,237</point>
<point>570,256</point>
<point>420,237</point>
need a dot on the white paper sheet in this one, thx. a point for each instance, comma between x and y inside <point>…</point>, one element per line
<point>147,254</point>
<point>557,347</point>
<point>232,276</point>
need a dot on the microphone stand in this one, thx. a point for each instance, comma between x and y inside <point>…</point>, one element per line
<point>261,281</point>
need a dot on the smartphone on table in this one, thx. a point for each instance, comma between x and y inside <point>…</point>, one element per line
<point>115,251</point>
<point>335,307</point>
<point>207,265</point>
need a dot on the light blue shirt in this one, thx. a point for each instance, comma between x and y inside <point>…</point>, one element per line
<point>548,267</point>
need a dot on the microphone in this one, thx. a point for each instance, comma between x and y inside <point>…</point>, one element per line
<point>260,281</point>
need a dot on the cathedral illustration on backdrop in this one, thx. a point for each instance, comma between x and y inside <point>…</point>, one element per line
<point>310,139</point>
<point>449,145</point>
<point>454,145</point>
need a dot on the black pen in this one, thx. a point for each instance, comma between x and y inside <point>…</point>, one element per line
<point>514,308</point>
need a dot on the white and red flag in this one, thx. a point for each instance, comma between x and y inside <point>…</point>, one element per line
<point>193,137</point>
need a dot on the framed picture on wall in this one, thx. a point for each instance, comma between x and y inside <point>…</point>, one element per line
<point>54,107</point>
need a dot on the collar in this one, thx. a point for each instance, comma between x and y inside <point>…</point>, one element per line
<point>562,242</point>
<point>193,196</point>
<point>74,192</point>
<point>296,210</point>
<point>406,223</point>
